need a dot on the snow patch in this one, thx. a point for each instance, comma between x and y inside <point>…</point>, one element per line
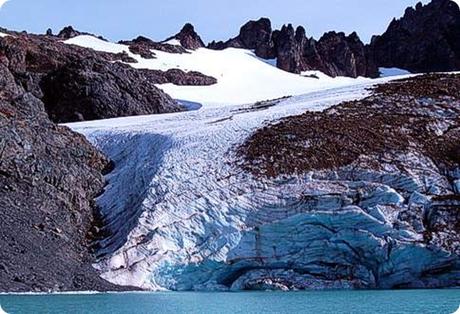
<point>88,41</point>
<point>173,42</point>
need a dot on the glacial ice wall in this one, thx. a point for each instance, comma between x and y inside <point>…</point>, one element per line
<point>184,216</point>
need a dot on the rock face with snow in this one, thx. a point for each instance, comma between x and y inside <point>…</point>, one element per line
<point>49,177</point>
<point>254,35</point>
<point>334,54</point>
<point>425,39</point>
<point>81,84</point>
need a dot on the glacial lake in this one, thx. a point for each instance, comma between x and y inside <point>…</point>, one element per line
<point>330,302</point>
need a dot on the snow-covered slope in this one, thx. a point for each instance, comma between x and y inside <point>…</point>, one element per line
<point>242,77</point>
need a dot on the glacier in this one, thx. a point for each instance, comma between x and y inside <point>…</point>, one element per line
<point>182,215</point>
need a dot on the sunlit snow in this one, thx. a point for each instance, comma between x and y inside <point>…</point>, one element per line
<point>242,77</point>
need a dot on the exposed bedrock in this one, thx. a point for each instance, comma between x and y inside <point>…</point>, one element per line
<point>49,177</point>
<point>143,46</point>
<point>93,89</point>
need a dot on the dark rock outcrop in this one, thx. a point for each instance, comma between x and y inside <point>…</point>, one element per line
<point>289,45</point>
<point>425,39</point>
<point>188,38</point>
<point>143,46</point>
<point>179,77</point>
<point>254,35</point>
<point>49,176</point>
<point>68,32</point>
<point>341,55</point>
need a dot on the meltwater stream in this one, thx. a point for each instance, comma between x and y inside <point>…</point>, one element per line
<point>330,302</point>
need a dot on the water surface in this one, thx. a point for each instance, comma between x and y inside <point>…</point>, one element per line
<point>388,302</point>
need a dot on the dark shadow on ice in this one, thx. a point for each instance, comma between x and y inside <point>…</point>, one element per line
<point>136,158</point>
<point>189,105</point>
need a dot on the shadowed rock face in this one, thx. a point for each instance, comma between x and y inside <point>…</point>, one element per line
<point>425,39</point>
<point>49,176</point>
<point>343,55</point>
<point>67,33</point>
<point>90,89</point>
<point>289,49</point>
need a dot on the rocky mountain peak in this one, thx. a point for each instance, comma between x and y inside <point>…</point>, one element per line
<point>68,32</point>
<point>188,37</point>
<point>142,40</point>
<point>256,33</point>
<point>425,39</point>
<point>300,33</point>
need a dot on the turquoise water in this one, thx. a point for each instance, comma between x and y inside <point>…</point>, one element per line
<point>330,302</point>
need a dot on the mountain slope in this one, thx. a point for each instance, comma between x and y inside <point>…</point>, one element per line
<point>49,177</point>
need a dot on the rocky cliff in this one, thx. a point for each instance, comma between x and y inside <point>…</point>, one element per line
<point>425,39</point>
<point>49,177</point>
